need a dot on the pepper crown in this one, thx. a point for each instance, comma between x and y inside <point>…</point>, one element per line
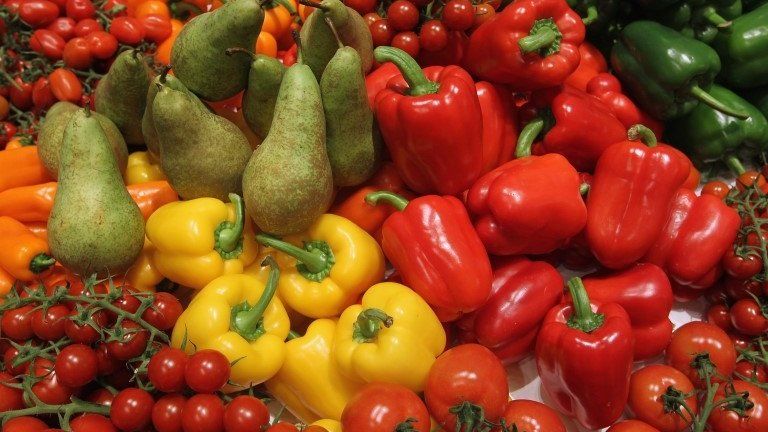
<point>417,82</point>
<point>544,38</point>
<point>229,235</point>
<point>248,321</point>
<point>315,260</point>
<point>583,317</point>
<point>368,324</point>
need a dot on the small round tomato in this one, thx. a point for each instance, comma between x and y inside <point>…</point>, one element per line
<point>383,407</point>
<point>164,312</point>
<point>166,414</point>
<point>532,416</point>
<point>49,389</point>
<point>748,178</point>
<point>131,410</point>
<point>107,365</point>
<point>77,54</point>
<point>741,266</point>
<point>362,6</point>
<point>381,32</point>
<point>740,341</point>
<point>403,15</point>
<point>157,28</point>
<point>166,370</point>
<point>203,413</point>
<point>48,324</point>
<point>87,26</point>
<point>408,42</point>
<point>102,44</point>
<point>101,396</point>
<point>153,7</point>
<point>483,13</point>
<point>282,427</point>
<point>64,27</point>
<point>87,333</point>
<point>76,365</point>
<point>371,18</point>
<point>16,324</point>
<point>756,416</point>
<point>80,9</point>
<point>47,43</point>
<point>127,30</point>
<point>433,36</point>
<point>750,371</point>
<point>38,13</point>
<point>132,343</point>
<point>66,85</point>
<point>458,15</point>
<point>11,398</point>
<point>698,338</point>
<point>207,371</point>
<point>718,315</point>
<point>9,356</point>
<point>740,289</point>
<point>92,423</point>
<point>246,413</point>
<point>21,94</point>
<point>646,388</point>
<point>5,108</point>
<point>127,301</point>
<point>632,426</point>
<point>24,424</point>
<point>716,188</point>
<point>748,317</point>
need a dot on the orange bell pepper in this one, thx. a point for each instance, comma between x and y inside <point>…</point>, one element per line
<point>163,53</point>
<point>39,229</point>
<point>22,254</point>
<point>150,196</point>
<point>21,167</point>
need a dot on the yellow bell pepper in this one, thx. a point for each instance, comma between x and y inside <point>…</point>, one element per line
<point>328,424</point>
<point>199,240</point>
<point>143,167</point>
<point>393,337</point>
<point>337,263</point>
<point>242,318</point>
<point>310,384</point>
<point>143,275</point>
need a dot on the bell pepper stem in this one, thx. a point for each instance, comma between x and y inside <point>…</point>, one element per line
<point>642,133</point>
<point>714,18</point>
<point>292,335</point>
<point>591,15</point>
<point>417,82</point>
<point>544,38</point>
<point>707,99</point>
<point>734,165</point>
<point>41,262</point>
<point>583,317</point>
<point>247,322</point>
<point>528,136</point>
<point>583,189</point>
<point>369,323</point>
<point>316,261</point>
<point>397,201</point>
<point>229,235</point>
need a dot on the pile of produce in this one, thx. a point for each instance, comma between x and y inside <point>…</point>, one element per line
<point>372,215</point>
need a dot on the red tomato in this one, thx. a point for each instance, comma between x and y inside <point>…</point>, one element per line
<point>750,371</point>
<point>483,13</point>
<point>132,344</point>
<point>740,289</point>
<point>245,414</point>
<point>458,15</point>
<point>748,178</point>
<point>532,416</point>
<point>408,42</point>
<point>48,324</point>
<point>207,371</point>
<point>647,385</point>
<point>127,301</point>
<point>282,427</point>
<point>371,18</point>
<point>87,26</point>
<point>203,413</point>
<point>80,9</point>
<point>756,419</point>
<point>77,54</point>
<point>696,338</point>
<point>101,396</point>
<point>467,373</point>
<point>166,370</point>
<point>131,410</point>
<point>433,36</point>
<point>632,426</point>
<point>382,407</point>
<point>741,266</point>
<point>4,108</point>
<point>381,32</point>
<point>86,333</point>
<point>66,86</point>
<point>166,414</point>
<point>740,342</point>
<point>111,4</point>
<point>16,324</point>
<point>718,315</point>
<point>9,356</point>
<point>403,15</point>
<point>92,423</point>
<point>76,365</point>
<point>21,94</point>
<point>49,389</point>
<point>24,424</point>
<point>107,365</point>
<point>157,28</point>
<point>64,27</point>
<point>13,5</point>
<point>362,6</point>
<point>127,30</point>
<point>38,13</point>
<point>102,44</point>
<point>716,188</point>
<point>47,43</point>
<point>748,317</point>
<point>10,398</point>
<point>165,310</point>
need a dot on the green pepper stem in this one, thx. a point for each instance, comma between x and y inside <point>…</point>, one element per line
<point>292,335</point>
<point>397,201</point>
<point>417,82</point>
<point>583,317</point>
<point>229,235</point>
<point>368,324</point>
<point>315,262</point>
<point>642,133</point>
<point>41,262</point>
<point>246,322</point>
<point>288,5</point>
<point>544,37</point>
<point>528,136</point>
<point>707,99</point>
<point>591,15</point>
<point>714,18</point>
<point>583,189</point>
<point>734,165</point>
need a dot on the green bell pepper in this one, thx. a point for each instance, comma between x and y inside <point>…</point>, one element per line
<point>744,50</point>
<point>667,73</point>
<point>707,135</point>
<point>701,19</point>
<point>750,5</point>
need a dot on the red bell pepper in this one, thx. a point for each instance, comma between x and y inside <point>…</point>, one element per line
<point>592,63</point>
<point>530,45</point>
<point>433,246</point>
<point>632,191</point>
<point>575,124</point>
<point>699,230</point>
<point>499,123</point>
<point>608,88</point>
<point>531,205</point>
<point>433,129</point>
<point>646,295</point>
<point>377,80</point>
<point>584,358</point>
<point>522,294</point>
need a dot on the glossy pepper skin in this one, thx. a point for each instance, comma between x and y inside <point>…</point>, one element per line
<point>392,336</point>
<point>240,317</point>
<point>592,63</point>
<point>431,243</point>
<point>499,123</point>
<point>704,224</point>
<point>584,358</point>
<point>666,73</point>
<point>22,254</point>
<point>608,88</point>
<point>144,275</point>
<point>743,50</point>
<point>645,293</point>
<point>198,240</point>
<point>530,45</point>
<point>523,293</point>
<point>701,19</point>
<point>21,167</point>
<point>708,135</point>
<point>143,167</point>
<point>310,383</point>
<point>426,124</point>
<point>336,264</point>
<point>377,80</point>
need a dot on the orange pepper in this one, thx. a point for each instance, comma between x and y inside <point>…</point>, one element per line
<point>304,11</point>
<point>22,254</point>
<point>150,196</point>
<point>19,141</point>
<point>277,20</point>
<point>21,167</point>
<point>39,229</point>
<point>266,44</point>
<point>163,53</point>
<point>6,283</point>
<point>152,7</point>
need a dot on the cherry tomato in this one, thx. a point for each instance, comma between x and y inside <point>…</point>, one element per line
<point>78,289</point>
<point>111,4</point>
<point>740,289</point>
<point>127,301</point>
<point>107,365</point>
<point>64,27</point>
<point>717,188</point>
<point>632,426</point>
<point>65,85</point>
<point>16,324</point>
<point>403,15</point>
<point>47,43</point>
<point>166,414</point>
<point>87,26</point>
<point>153,7</point>
<point>11,398</point>
<point>49,389</point>
<point>246,413</point>
<point>283,427</point>
<point>408,42</point>
<point>750,371</point>
<point>371,18</point>
<point>80,9</point>
<point>458,15</point>
<point>646,387</point>
<point>8,129</point>
<point>532,416</point>
<point>164,312</point>
<point>5,107</point>
<point>203,413</point>
<point>38,13</point>
<point>92,423</point>
<point>21,94</point>
<point>362,6</point>
<point>131,410</point>
<point>718,315</point>
<point>740,341</point>
<point>756,419</point>
<point>381,32</point>
<point>483,12</point>
<point>157,28</point>
<point>433,36</point>
<point>467,373</point>
<point>166,370</point>
<point>132,344</point>
<point>749,178</point>
<point>102,44</point>
<point>382,407</point>
<point>695,338</point>
<point>49,324</point>
<point>77,54</point>
<point>127,30</point>
<point>741,266</point>
<point>748,317</point>
<point>24,424</point>
<point>13,5</point>
<point>86,333</point>
<point>9,356</point>
<point>76,365</point>
<point>101,396</point>
<point>206,371</point>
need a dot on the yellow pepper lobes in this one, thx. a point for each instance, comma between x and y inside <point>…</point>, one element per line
<point>328,424</point>
<point>240,317</point>
<point>143,167</point>
<point>393,337</point>
<point>143,275</point>
<point>309,384</point>
<point>198,240</point>
<point>337,263</point>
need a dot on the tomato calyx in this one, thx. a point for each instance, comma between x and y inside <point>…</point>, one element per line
<point>406,426</point>
<point>65,412</point>
<point>471,417</point>
<point>758,358</point>
<point>29,351</point>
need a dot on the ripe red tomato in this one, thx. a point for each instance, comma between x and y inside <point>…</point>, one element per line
<point>483,13</point>
<point>131,410</point>
<point>166,370</point>
<point>207,371</point>
<point>38,13</point>
<point>127,301</point>
<point>748,318</point>
<point>76,365</point>
<point>371,18</point>
<point>92,423</point>
<point>382,407</point>
<point>16,324</point>
<point>282,427</point>
<point>48,324</point>
<point>203,413</point>
<point>101,396</point>
<point>467,373</point>
<point>716,188</point>
<point>132,344</point>
<point>532,416</point>
<point>24,424</point>
<point>102,44</point>
<point>403,15</point>
<point>165,310</point>
<point>408,42</point>
<point>157,28</point>
<point>381,32</point>
<point>647,385</point>
<point>127,30</point>
<point>750,371</point>
<point>458,15</point>
<point>21,94</point>
<point>748,178</point>
<point>66,85</point>
<point>246,413</point>
<point>741,266</point>
<point>632,426</point>
<point>11,398</point>
<point>433,36</point>
<point>49,389</point>
<point>106,364</point>
<point>86,333</point>
<point>756,419</point>
<point>13,5</point>
<point>64,27</point>
<point>166,414</point>
<point>740,289</point>
<point>47,43</point>
<point>80,9</point>
<point>87,26</point>
<point>695,338</point>
<point>718,314</point>
<point>362,6</point>
<point>9,356</point>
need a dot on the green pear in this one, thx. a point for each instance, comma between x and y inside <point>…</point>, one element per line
<point>261,95</point>
<point>288,182</point>
<point>201,153</point>
<point>95,226</point>
<point>199,56</point>
<point>51,134</point>
<point>122,94</point>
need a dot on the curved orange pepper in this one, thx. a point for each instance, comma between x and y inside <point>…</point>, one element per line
<point>21,167</point>
<point>22,254</point>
